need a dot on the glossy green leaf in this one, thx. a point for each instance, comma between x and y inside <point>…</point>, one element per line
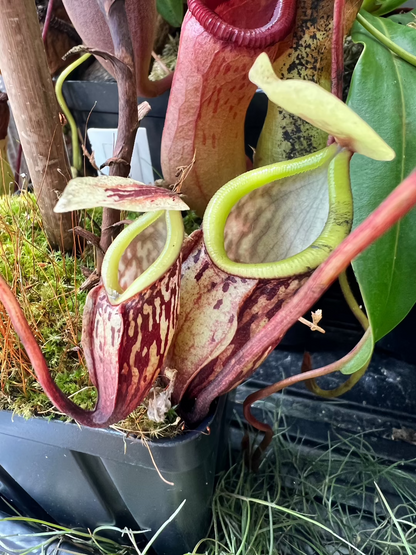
<point>171,11</point>
<point>362,356</point>
<point>404,18</point>
<point>382,93</point>
<point>381,7</point>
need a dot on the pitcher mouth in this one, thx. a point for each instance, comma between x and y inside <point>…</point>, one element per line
<point>273,31</point>
<point>147,262</point>
<point>338,222</point>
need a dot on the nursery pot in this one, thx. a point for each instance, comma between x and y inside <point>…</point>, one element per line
<point>380,409</point>
<point>96,103</point>
<point>83,477</point>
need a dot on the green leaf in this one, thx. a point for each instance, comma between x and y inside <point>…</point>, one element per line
<point>382,93</point>
<point>404,18</point>
<point>171,11</point>
<point>362,357</point>
<point>377,7</point>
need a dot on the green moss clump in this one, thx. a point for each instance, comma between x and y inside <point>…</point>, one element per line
<point>169,58</point>
<point>47,286</point>
<point>191,222</point>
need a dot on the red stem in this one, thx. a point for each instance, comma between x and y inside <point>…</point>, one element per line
<point>47,21</point>
<point>337,68</point>
<point>397,205</point>
<point>37,359</point>
<point>116,17</point>
<point>275,388</point>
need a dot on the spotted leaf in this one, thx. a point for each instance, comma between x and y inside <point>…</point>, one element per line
<point>116,192</point>
<point>125,345</point>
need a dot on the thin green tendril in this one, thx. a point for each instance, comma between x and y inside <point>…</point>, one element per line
<point>76,152</point>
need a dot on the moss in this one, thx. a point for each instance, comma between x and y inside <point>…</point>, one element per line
<point>169,57</point>
<point>191,222</point>
<point>47,285</point>
<point>139,424</point>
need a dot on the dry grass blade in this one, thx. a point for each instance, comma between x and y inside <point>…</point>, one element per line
<point>138,424</point>
<point>394,519</point>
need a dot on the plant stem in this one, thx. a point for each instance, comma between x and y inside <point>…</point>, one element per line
<point>397,205</point>
<point>401,52</point>
<point>354,378</point>
<point>161,63</point>
<point>337,391</point>
<point>116,17</point>
<point>22,328</point>
<point>351,301</point>
<point>47,22</point>
<point>275,388</point>
<point>337,66</point>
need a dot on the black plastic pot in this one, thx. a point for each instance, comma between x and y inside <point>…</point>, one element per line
<point>381,408</point>
<point>82,477</point>
<point>97,103</point>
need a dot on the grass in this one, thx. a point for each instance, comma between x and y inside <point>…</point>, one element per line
<point>336,499</point>
<point>332,500</point>
<point>52,535</point>
<point>48,287</point>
